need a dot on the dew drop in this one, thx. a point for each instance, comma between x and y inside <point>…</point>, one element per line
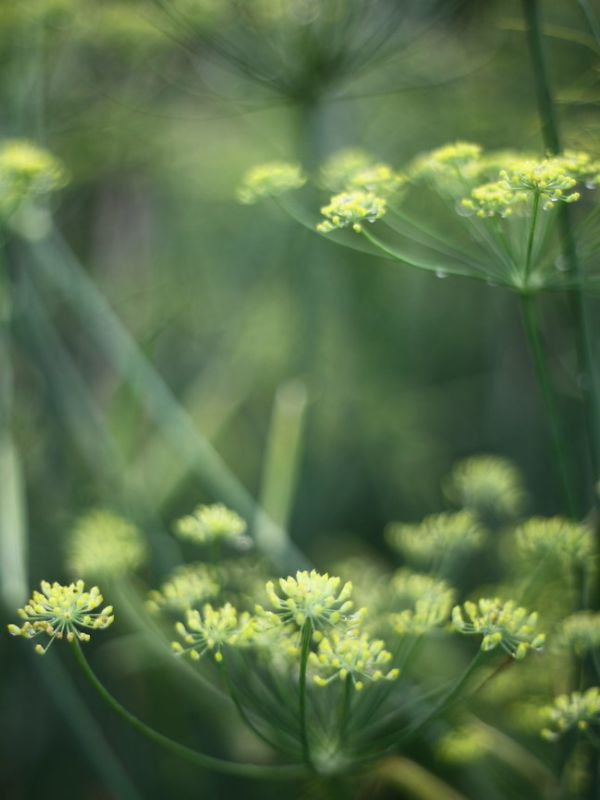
<point>440,273</point>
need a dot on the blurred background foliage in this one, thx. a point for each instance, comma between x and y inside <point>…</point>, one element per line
<point>157,108</point>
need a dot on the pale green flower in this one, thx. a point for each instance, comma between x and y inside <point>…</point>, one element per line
<point>436,536</point>
<point>429,602</point>
<point>494,199</point>
<point>555,537</point>
<point>548,179</point>
<point>351,208</point>
<point>270,180</point>
<point>342,655</point>
<point>339,169</point>
<point>486,483</point>
<point>61,612</point>
<point>105,544</point>
<point>579,632</point>
<point>187,586</point>
<point>311,597</point>
<point>449,160</point>
<point>576,710</point>
<point>209,630</point>
<point>26,172</point>
<point>212,523</point>
<point>500,623</point>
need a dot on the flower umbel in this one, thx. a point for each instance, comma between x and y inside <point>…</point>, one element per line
<point>270,180</point>
<point>187,586</point>
<point>212,523</point>
<point>103,543</point>
<point>61,612</point>
<point>436,535</point>
<point>429,601</point>
<point>554,537</point>
<point>312,597</point>
<point>27,171</point>
<point>577,710</point>
<point>501,624</point>
<point>486,483</point>
<point>211,629</point>
<point>359,657</point>
<point>351,208</point>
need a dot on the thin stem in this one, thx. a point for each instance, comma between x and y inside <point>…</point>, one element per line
<point>534,218</point>
<point>345,709</point>
<point>579,311</point>
<point>304,651</point>
<point>283,772</point>
<point>541,367</point>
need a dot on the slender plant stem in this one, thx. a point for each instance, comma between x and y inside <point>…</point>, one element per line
<point>284,772</point>
<point>541,368</point>
<point>534,218</point>
<point>583,329</point>
<point>304,651</point>
<point>345,709</point>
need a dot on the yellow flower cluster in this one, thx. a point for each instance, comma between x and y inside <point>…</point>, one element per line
<point>351,208</point>
<point>577,710</point>
<point>212,628</point>
<point>105,544</point>
<point>343,655</point>
<point>61,612</point>
<point>436,535</point>
<point>494,199</point>
<point>486,483</point>
<point>187,586</point>
<point>429,600</point>
<point>212,523</point>
<point>311,596</point>
<point>548,178</point>
<point>501,624</point>
<point>353,169</point>
<point>447,161</point>
<point>270,180</point>
<point>555,537</point>
<point>26,172</point>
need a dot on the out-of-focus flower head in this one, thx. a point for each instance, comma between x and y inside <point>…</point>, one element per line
<point>555,538</point>
<point>487,484</point>
<point>436,536</point>
<point>464,745</point>
<point>186,587</point>
<point>501,624</point>
<point>26,173</point>
<point>343,655</point>
<point>214,523</point>
<point>62,612</point>
<point>211,629</point>
<point>270,180</point>
<point>576,710</point>
<point>428,602</point>
<point>579,633</point>
<point>104,544</point>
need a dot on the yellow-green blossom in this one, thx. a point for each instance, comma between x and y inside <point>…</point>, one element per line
<point>26,172</point>
<point>187,586</point>
<point>494,199</point>
<point>339,169</point>
<point>579,633</point>
<point>105,544</point>
<point>465,744</point>
<point>343,655</point>
<point>548,179</point>
<point>351,208</point>
<point>486,483</point>
<point>429,602</point>
<point>270,180</point>
<point>311,597</point>
<point>212,628</point>
<point>576,710</point>
<point>500,623</point>
<point>62,612</point>
<point>445,160</point>
<point>436,536</point>
<point>212,523</point>
<point>557,538</point>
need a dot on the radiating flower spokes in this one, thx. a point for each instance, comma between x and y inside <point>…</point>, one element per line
<point>354,656</point>
<point>62,612</point>
<point>500,624</point>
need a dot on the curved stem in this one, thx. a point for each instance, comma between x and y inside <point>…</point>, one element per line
<point>304,651</point>
<point>541,368</point>
<point>187,753</point>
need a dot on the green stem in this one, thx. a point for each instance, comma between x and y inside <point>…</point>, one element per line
<point>534,218</point>
<point>579,311</point>
<point>304,651</point>
<point>541,368</point>
<point>283,772</point>
<point>345,709</point>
